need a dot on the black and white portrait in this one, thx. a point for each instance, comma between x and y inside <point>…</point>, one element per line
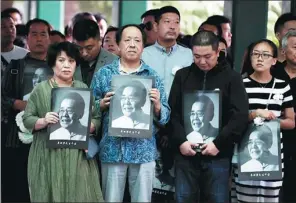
<point>131,108</point>
<point>36,77</point>
<point>201,116</point>
<point>259,152</point>
<point>73,108</point>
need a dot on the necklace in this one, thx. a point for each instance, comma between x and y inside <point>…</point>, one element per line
<point>262,86</point>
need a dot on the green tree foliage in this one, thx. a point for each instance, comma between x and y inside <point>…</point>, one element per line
<point>104,7</point>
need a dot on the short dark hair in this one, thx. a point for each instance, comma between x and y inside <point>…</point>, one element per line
<point>66,30</point>
<point>35,21</point>
<point>99,16</point>
<point>140,90</point>
<point>80,16</point>
<point>218,19</point>
<point>85,29</point>
<point>56,32</point>
<point>5,15</point>
<point>205,38</point>
<point>280,22</point>
<point>218,26</point>
<point>56,49</point>
<point>110,29</point>
<point>120,31</point>
<point>151,12</point>
<point>166,9</point>
<point>12,10</point>
<point>79,102</point>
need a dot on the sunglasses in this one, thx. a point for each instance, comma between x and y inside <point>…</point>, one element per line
<point>148,26</point>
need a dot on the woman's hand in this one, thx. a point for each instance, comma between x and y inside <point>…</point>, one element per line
<point>264,113</point>
<point>51,118</point>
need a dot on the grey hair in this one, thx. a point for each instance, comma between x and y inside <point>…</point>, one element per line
<point>290,33</point>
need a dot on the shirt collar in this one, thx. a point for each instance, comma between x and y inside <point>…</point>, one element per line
<point>139,69</point>
<point>163,49</point>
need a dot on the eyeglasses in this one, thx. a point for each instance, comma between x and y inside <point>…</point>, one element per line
<point>148,26</point>
<point>262,55</point>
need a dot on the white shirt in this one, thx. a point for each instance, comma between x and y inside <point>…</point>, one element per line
<point>16,53</point>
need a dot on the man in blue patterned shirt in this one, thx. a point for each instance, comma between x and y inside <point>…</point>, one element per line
<point>117,154</point>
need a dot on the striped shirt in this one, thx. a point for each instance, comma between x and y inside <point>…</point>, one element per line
<point>281,98</point>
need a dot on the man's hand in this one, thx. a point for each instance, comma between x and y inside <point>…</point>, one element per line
<point>186,149</point>
<point>209,149</point>
<point>105,102</point>
<point>155,98</point>
<point>19,105</point>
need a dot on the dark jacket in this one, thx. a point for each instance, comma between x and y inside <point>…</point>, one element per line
<point>234,103</point>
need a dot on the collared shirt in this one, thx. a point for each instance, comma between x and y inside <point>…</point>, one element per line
<point>167,64</point>
<point>122,149</point>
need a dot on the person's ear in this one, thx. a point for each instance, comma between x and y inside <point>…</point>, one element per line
<point>155,27</point>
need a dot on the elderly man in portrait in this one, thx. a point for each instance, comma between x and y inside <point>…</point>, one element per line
<point>132,99</point>
<point>201,114</point>
<point>70,112</point>
<point>259,143</point>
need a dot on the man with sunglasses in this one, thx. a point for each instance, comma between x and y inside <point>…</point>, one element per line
<point>148,19</point>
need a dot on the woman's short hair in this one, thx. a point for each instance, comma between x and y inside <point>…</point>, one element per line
<point>55,50</point>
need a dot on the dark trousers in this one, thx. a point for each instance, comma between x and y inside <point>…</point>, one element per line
<point>201,179</point>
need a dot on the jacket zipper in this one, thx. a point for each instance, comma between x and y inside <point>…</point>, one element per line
<point>204,81</point>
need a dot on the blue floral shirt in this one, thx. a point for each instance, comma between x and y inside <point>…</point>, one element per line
<point>122,149</point>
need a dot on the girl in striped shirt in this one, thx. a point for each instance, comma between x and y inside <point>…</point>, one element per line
<point>259,85</point>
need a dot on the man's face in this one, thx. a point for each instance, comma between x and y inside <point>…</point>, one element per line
<point>211,28</point>
<point>103,27</point>
<point>290,50</point>
<point>290,25</point>
<point>67,113</point>
<point>205,57</point>
<point>226,33</point>
<point>8,31</point>
<point>39,76</point>
<point>131,44</point>
<point>168,28</point>
<point>16,18</point>
<point>129,101</point>
<point>256,146</point>
<point>38,38</point>
<point>89,49</point>
<point>110,43</point>
<point>151,33</point>
<point>197,116</point>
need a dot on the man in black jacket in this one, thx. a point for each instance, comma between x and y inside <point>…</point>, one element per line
<point>207,173</point>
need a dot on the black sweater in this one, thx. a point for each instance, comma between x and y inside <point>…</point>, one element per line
<point>234,103</point>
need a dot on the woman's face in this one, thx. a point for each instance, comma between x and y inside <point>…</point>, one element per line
<point>262,57</point>
<point>65,67</point>
<point>256,146</point>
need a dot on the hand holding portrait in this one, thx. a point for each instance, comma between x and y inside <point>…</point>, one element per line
<point>209,149</point>
<point>186,148</point>
<point>51,118</point>
<point>105,102</point>
<point>155,98</point>
<point>264,113</point>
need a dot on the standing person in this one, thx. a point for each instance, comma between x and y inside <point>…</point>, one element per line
<point>109,41</point>
<point>15,14</point>
<point>148,20</point>
<point>59,175</point>
<point>206,173</point>
<point>259,85</point>
<point>288,73</point>
<point>86,35</point>
<point>123,155</point>
<point>102,23</point>
<point>17,82</point>
<point>283,24</point>
<point>9,51</point>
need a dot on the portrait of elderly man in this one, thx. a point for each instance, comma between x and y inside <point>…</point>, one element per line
<point>132,100</point>
<point>201,114</point>
<point>40,75</point>
<point>70,112</point>
<point>258,145</point>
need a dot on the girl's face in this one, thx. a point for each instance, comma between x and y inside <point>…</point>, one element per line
<point>262,57</point>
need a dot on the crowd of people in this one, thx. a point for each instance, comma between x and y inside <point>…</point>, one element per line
<point>36,58</point>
